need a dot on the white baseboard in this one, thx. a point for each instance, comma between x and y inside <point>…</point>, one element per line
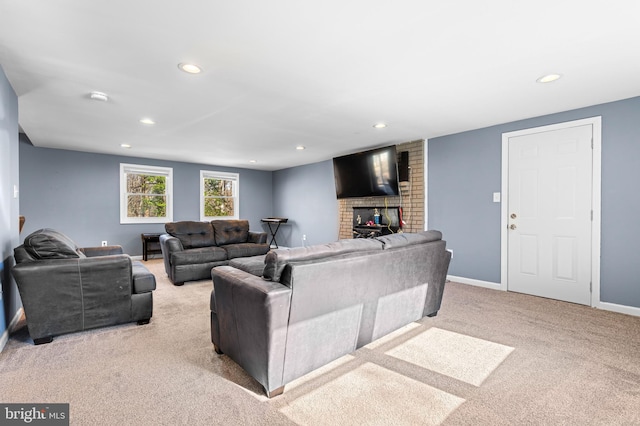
<point>622,309</point>
<point>4,339</point>
<point>605,306</point>
<point>12,325</point>
<point>477,283</point>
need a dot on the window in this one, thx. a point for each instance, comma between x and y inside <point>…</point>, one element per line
<point>218,195</point>
<point>146,194</point>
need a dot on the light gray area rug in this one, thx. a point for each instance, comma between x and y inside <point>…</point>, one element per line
<point>488,358</point>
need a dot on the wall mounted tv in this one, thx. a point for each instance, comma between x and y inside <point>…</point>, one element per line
<point>371,173</point>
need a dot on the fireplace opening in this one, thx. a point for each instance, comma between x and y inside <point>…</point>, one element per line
<point>374,221</point>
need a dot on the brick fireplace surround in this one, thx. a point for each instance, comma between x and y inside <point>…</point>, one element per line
<point>412,200</point>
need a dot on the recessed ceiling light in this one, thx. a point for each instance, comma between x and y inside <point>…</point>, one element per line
<point>125,145</point>
<point>548,78</point>
<point>300,147</point>
<point>147,121</point>
<point>252,161</point>
<point>190,68</point>
<point>379,125</point>
<point>99,96</point>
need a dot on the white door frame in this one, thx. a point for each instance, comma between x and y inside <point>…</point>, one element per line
<point>596,122</point>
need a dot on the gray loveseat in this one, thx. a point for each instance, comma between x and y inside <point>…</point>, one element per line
<point>316,304</point>
<point>65,288</point>
<point>190,249</point>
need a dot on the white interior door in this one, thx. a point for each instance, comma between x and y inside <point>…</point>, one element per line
<point>550,213</point>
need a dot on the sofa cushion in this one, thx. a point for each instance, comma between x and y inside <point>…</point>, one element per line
<point>143,280</point>
<point>50,244</point>
<point>198,255</point>
<point>230,231</point>
<point>253,265</point>
<point>407,239</point>
<point>192,234</point>
<point>276,260</point>
<point>245,250</point>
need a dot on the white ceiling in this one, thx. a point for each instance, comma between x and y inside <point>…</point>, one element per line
<point>280,73</point>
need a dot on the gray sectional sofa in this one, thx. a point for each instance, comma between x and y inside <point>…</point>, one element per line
<point>312,305</point>
<point>190,249</point>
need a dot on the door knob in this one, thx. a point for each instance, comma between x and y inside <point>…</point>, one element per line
<point>512,226</point>
<point>513,216</point>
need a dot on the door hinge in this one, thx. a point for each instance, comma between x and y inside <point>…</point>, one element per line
<point>591,215</point>
<point>590,286</point>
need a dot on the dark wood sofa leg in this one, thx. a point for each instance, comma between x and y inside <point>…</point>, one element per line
<point>433,314</point>
<point>43,340</point>
<point>217,349</point>
<point>144,321</point>
<point>178,284</point>
<point>275,392</point>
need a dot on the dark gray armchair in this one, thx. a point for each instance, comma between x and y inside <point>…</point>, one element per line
<point>65,288</point>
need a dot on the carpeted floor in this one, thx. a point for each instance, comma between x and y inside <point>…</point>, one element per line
<point>488,358</point>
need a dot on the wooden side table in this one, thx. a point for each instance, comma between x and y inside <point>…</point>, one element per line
<point>150,245</point>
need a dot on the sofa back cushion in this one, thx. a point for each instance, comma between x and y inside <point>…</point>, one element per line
<point>230,231</point>
<point>50,244</point>
<point>276,260</point>
<point>192,234</point>
<point>406,239</point>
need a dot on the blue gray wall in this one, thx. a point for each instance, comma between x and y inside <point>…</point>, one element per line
<point>9,299</point>
<point>78,194</point>
<point>465,169</point>
<point>306,195</point>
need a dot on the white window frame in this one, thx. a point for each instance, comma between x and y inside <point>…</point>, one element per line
<point>147,170</point>
<point>236,193</point>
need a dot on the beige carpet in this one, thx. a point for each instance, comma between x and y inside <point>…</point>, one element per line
<point>488,358</point>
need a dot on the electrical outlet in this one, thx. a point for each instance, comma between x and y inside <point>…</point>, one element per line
<point>104,244</point>
<point>304,237</point>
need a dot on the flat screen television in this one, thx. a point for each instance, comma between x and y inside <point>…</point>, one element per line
<point>372,173</point>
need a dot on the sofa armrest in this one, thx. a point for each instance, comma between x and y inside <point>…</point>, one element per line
<point>252,316</point>
<point>438,269</point>
<point>143,280</point>
<point>56,274</point>
<point>65,295</point>
<point>257,237</point>
<point>101,251</point>
<point>170,244</point>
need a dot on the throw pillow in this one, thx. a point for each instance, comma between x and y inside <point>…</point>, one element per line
<point>50,244</point>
